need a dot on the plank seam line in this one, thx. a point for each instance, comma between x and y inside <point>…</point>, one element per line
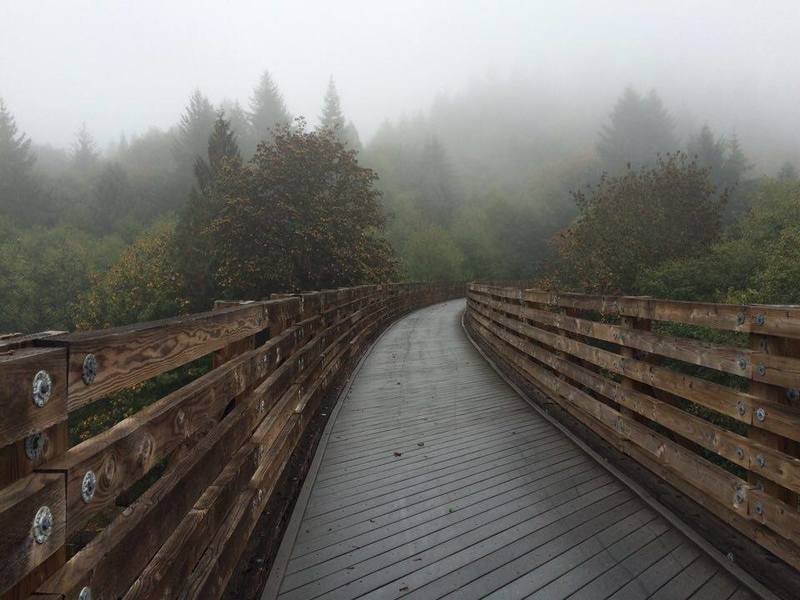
<point>732,568</point>
<point>272,587</point>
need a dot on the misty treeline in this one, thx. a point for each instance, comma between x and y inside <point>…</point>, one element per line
<point>236,202</point>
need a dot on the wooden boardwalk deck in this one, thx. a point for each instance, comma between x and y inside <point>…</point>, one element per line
<point>435,480</point>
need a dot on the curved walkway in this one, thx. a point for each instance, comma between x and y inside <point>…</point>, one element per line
<point>438,481</point>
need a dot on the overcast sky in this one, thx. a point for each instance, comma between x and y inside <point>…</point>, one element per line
<point>125,66</point>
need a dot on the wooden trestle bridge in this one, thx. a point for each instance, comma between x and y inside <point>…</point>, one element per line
<point>449,449</point>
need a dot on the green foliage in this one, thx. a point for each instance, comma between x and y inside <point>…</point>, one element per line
<point>332,119</point>
<point>302,215</point>
<point>19,196</point>
<point>267,111</point>
<point>430,254</point>
<point>756,261</point>
<point>84,151</point>
<point>194,250</point>
<point>195,126</point>
<point>640,128</point>
<point>141,286</point>
<point>636,221</point>
<point>42,273</point>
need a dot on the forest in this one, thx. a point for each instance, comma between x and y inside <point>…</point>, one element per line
<point>245,198</point>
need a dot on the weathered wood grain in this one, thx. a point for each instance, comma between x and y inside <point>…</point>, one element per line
<point>129,355</point>
<point>21,417</point>
<point>19,503</point>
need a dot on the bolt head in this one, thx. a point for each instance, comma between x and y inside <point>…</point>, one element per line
<point>740,408</point>
<point>740,319</point>
<point>760,319</point>
<point>42,525</point>
<point>34,445</point>
<point>793,394</point>
<point>761,414</point>
<point>739,496</point>
<point>85,594</point>
<point>89,369</point>
<point>42,388</point>
<point>762,370</point>
<point>742,363</point>
<point>761,461</point>
<point>740,453</point>
<point>759,508</point>
<point>88,486</point>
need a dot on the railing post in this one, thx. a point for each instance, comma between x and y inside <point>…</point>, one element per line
<point>782,347</point>
<point>34,397</point>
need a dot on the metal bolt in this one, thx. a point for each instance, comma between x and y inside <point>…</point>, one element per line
<point>739,496</point>
<point>740,453</point>
<point>762,370</point>
<point>760,485</point>
<point>760,319</point>
<point>42,525</point>
<point>86,593</point>
<point>740,408</point>
<point>42,386</point>
<point>180,418</point>
<point>793,394</point>
<point>740,319</point>
<point>88,486</point>
<point>34,445</point>
<point>89,369</point>
<point>761,414</point>
<point>761,461</point>
<point>759,508</point>
<point>742,363</point>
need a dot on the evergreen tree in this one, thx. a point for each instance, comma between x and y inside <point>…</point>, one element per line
<point>736,164</point>
<point>17,189</point>
<point>84,151</point>
<point>351,138</point>
<point>195,126</point>
<point>438,197</point>
<point>111,199</point>
<point>708,151</point>
<point>240,126</point>
<point>640,129</point>
<point>267,109</point>
<point>332,118</point>
<point>193,251</point>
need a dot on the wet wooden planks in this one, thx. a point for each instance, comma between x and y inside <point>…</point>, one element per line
<point>438,481</point>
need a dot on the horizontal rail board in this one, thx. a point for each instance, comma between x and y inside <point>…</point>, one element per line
<point>223,439</point>
<point>618,380</point>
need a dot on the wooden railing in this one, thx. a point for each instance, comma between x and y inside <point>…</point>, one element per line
<point>704,395</point>
<point>219,443</point>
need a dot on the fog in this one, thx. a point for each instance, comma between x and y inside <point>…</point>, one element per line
<point>127,66</point>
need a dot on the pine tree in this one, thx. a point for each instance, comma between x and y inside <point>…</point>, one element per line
<point>240,126</point>
<point>640,129</point>
<point>192,247</point>
<point>332,119</point>
<point>267,109</point>
<point>708,151</point>
<point>84,150</point>
<point>17,190</point>
<point>736,164</point>
<point>351,138</point>
<point>195,126</point>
